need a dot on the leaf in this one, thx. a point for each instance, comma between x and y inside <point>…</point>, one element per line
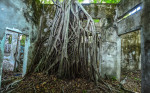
<point>43,84</point>
<point>37,86</point>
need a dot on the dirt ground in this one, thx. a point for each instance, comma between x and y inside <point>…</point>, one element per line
<point>40,83</point>
<point>133,80</point>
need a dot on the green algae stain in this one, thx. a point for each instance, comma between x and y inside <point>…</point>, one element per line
<point>131,49</point>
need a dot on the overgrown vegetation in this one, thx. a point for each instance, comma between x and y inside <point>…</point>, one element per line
<point>68,50</point>
<point>10,39</point>
<point>22,41</point>
<point>81,1</point>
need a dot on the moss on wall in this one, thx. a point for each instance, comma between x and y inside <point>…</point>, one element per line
<point>35,7</point>
<point>131,50</point>
<point>100,10</point>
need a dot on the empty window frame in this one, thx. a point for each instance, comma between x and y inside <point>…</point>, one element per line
<point>131,12</point>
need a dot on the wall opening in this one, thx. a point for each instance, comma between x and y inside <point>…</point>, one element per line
<point>130,12</point>
<point>15,55</point>
<point>131,56</point>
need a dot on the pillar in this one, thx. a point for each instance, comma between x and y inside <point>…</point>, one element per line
<point>145,46</point>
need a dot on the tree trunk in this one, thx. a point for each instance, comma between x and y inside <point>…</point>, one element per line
<point>68,44</point>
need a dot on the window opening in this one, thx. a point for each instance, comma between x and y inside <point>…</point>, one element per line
<point>132,12</point>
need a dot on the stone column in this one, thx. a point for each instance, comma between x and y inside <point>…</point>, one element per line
<point>145,46</point>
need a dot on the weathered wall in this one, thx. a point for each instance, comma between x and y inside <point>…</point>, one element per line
<point>145,47</point>
<point>109,64</point>
<point>100,10</point>
<point>20,15</point>
<point>131,51</point>
<point>108,41</point>
<point>130,23</point>
<point>130,42</point>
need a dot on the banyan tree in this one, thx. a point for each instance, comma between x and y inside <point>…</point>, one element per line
<point>71,44</point>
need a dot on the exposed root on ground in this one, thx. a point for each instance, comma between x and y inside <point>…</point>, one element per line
<point>37,83</point>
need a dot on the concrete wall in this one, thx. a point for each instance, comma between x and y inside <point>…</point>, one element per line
<point>100,10</point>
<point>132,22</point>
<point>131,51</point>
<point>130,42</point>
<point>145,47</point>
<point>19,15</point>
<point>109,64</point>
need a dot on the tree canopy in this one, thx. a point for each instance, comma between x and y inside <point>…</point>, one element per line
<point>84,1</point>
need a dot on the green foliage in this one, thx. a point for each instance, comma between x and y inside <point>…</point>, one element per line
<point>46,1</point>
<point>84,91</point>
<point>111,1</point>
<point>106,1</point>
<point>96,20</point>
<point>93,1</point>
<point>22,41</point>
<point>80,1</point>
<point>137,79</point>
<point>113,78</point>
<point>10,39</point>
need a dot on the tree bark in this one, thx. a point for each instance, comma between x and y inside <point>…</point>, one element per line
<point>67,53</point>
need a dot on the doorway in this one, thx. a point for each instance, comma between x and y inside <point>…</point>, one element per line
<point>14,55</point>
<point>131,60</point>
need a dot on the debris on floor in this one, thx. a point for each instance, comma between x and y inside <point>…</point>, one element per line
<point>40,83</point>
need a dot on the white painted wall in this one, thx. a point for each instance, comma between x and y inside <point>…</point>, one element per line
<point>27,44</point>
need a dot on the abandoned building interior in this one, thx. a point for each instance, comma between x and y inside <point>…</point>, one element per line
<point>119,45</point>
